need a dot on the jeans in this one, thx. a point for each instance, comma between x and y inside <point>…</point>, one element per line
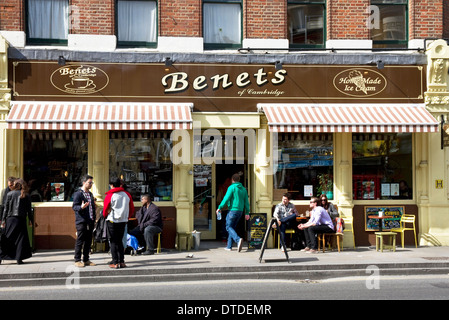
<point>116,231</point>
<point>83,241</point>
<point>232,219</point>
<point>287,222</point>
<point>311,235</point>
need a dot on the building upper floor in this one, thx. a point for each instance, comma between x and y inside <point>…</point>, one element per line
<point>202,25</point>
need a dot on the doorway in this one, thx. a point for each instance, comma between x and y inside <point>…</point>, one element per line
<point>211,182</point>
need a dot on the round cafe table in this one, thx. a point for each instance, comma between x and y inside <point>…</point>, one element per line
<point>380,218</point>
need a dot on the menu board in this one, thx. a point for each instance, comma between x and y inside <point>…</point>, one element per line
<point>393,216</point>
<point>257,229</point>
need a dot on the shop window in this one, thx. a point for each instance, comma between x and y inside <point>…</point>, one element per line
<point>389,23</point>
<point>47,21</point>
<point>305,165</point>
<point>306,23</point>
<point>136,23</point>
<point>54,163</point>
<point>222,24</point>
<point>382,166</point>
<point>142,160</point>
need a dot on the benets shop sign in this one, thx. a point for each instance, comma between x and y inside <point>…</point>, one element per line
<point>215,87</point>
<point>79,79</point>
<point>360,82</point>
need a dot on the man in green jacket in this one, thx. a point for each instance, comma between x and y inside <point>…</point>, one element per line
<point>236,199</point>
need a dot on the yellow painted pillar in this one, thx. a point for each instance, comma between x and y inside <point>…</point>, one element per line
<point>182,158</point>
<point>343,181</point>
<point>431,160</point>
<point>98,162</point>
<point>10,140</point>
<point>264,172</point>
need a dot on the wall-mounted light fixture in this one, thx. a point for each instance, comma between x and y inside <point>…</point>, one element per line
<point>380,64</point>
<point>278,65</point>
<point>61,61</point>
<point>168,62</point>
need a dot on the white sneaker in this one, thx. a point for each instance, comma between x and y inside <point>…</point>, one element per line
<point>228,249</point>
<point>240,245</point>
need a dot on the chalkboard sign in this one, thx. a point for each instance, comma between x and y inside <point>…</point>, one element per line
<point>392,213</point>
<point>257,229</point>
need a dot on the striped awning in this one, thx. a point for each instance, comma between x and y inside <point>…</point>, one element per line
<point>349,118</point>
<point>52,115</point>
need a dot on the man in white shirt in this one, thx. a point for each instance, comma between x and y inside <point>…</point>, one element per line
<point>320,222</point>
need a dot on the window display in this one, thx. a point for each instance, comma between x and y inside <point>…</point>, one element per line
<point>305,167</point>
<point>382,166</point>
<point>142,161</point>
<point>54,163</point>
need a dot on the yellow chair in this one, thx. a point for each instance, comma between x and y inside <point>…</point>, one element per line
<point>349,220</point>
<point>322,240</point>
<point>159,242</point>
<point>405,222</point>
<point>288,231</point>
<point>188,239</point>
<point>380,240</point>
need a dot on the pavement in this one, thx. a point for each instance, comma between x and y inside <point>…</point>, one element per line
<point>212,262</point>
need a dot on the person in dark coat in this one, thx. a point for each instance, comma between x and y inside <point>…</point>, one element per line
<point>15,244</point>
<point>84,207</point>
<point>149,221</point>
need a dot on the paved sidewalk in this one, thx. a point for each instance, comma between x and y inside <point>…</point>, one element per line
<point>213,262</point>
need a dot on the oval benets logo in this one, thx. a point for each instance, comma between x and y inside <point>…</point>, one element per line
<point>359,82</point>
<point>79,79</point>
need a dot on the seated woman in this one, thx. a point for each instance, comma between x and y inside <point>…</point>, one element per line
<point>330,208</point>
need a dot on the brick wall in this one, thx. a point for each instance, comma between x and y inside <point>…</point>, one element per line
<point>427,21</point>
<point>11,17</point>
<point>265,19</point>
<point>92,17</point>
<point>180,18</point>
<point>346,19</point>
<point>446,19</point>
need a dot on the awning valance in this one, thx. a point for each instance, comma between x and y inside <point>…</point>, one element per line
<point>348,118</point>
<point>54,115</point>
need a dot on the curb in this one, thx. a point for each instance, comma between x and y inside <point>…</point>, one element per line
<point>287,272</point>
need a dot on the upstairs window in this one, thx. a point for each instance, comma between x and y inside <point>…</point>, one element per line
<point>388,23</point>
<point>47,21</point>
<point>306,23</point>
<point>136,23</point>
<point>222,24</point>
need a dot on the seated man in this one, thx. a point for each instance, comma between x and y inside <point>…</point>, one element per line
<point>285,214</point>
<point>149,221</point>
<point>320,222</point>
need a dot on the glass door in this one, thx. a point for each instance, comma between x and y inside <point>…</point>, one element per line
<point>204,218</point>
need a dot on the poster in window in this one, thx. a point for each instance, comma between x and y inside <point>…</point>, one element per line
<point>57,191</point>
<point>395,190</point>
<point>385,189</point>
<point>308,191</point>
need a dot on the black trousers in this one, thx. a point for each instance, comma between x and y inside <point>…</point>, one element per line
<point>116,232</point>
<point>83,241</point>
<point>311,235</point>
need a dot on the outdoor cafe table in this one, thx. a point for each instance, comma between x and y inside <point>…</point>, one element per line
<point>380,220</point>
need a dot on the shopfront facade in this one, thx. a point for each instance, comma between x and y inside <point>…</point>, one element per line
<point>366,136</point>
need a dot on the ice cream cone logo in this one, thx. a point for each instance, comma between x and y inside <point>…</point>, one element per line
<point>356,77</point>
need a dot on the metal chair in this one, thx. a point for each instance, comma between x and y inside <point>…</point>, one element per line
<point>405,222</point>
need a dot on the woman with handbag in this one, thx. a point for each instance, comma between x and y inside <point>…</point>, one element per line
<point>15,242</point>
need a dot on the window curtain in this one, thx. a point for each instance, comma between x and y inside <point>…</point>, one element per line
<point>137,21</point>
<point>222,23</point>
<point>48,19</point>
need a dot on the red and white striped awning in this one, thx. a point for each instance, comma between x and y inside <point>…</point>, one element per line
<point>39,115</point>
<point>348,118</point>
